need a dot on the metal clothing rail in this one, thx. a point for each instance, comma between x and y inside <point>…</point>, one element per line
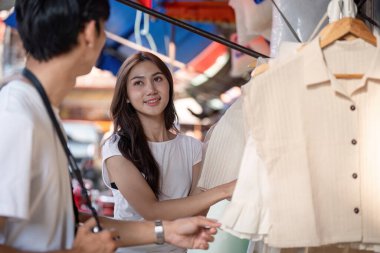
<point>362,14</point>
<point>193,29</point>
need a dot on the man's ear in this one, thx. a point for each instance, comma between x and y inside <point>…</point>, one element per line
<point>90,33</point>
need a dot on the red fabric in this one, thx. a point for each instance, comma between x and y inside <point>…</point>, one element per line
<point>146,3</point>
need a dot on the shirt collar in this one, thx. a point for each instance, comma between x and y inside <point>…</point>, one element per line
<point>316,71</point>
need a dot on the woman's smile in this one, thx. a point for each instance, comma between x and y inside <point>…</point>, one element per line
<point>152,101</point>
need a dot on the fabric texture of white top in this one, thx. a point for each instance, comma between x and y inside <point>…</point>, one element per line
<point>225,146</point>
<point>247,215</point>
<point>35,192</point>
<point>176,159</point>
<point>318,139</point>
<point>223,154</point>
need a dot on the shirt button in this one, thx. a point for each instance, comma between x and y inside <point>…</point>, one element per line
<point>354,142</point>
<point>356,210</point>
<point>354,176</point>
<point>353,108</point>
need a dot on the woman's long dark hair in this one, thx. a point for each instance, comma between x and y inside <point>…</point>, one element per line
<point>133,144</point>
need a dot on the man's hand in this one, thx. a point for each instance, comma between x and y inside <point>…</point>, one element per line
<point>193,232</point>
<point>89,242</point>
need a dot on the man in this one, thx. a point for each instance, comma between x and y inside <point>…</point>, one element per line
<point>63,40</point>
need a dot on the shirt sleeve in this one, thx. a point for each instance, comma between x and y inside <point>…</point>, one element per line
<point>197,151</point>
<point>16,165</point>
<point>109,149</point>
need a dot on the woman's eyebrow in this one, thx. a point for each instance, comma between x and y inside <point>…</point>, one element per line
<point>137,77</point>
<point>157,73</point>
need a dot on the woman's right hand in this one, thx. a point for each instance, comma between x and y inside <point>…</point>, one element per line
<point>192,232</point>
<point>88,242</point>
<point>228,189</point>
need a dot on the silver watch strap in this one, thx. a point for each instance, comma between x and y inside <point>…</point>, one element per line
<point>159,231</point>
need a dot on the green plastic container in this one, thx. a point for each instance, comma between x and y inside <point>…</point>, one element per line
<point>224,242</point>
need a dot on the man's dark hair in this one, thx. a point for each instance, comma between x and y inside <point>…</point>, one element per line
<point>49,28</point>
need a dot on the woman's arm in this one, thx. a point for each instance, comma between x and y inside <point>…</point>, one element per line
<point>197,169</point>
<point>136,190</point>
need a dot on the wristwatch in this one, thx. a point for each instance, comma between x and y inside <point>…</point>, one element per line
<point>159,231</point>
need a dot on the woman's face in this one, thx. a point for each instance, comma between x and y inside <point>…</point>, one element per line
<point>148,89</point>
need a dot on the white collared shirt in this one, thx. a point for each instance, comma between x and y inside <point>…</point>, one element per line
<point>319,140</point>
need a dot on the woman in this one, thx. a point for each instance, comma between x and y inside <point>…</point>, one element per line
<point>151,168</point>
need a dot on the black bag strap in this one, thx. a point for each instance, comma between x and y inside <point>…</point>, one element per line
<point>72,164</point>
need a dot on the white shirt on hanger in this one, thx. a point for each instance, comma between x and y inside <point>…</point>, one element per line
<point>224,149</point>
<point>318,138</point>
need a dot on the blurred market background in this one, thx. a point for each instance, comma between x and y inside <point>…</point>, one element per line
<point>206,83</point>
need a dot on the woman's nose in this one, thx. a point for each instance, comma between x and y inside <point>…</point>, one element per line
<point>151,88</point>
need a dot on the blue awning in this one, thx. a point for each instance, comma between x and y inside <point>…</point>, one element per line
<point>122,23</point>
<point>11,20</point>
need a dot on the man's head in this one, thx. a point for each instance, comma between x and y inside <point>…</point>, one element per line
<point>50,28</point>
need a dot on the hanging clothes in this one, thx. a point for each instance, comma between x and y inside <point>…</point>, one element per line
<point>247,216</point>
<point>318,139</point>
<point>224,143</point>
<point>224,150</point>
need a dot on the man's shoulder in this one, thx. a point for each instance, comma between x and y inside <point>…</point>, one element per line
<point>16,82</point>
<point>19,103</point>
<point>18,97</point>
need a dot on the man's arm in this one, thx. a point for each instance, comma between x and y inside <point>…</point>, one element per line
<point>85,241</point>
<point>193,232</point>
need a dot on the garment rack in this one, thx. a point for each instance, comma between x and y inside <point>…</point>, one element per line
<point>193,29</point>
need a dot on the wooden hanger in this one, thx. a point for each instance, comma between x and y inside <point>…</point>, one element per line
<point>347,29</point>
<point>260,69</point>
<point>253,64</point>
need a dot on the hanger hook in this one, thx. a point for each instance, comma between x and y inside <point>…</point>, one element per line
<point>341,5</point>
<point>338,9</point>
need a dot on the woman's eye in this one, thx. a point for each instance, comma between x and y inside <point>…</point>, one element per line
<point>138,83</point>
<point>158,79</point>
